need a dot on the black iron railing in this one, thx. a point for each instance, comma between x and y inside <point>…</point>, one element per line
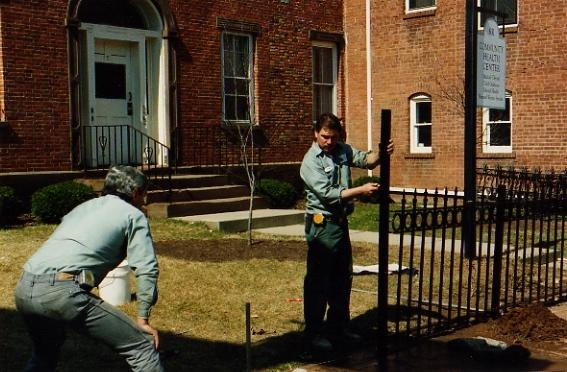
<point>220,147</point>
<point>105,145</point>
<point>520,253</point>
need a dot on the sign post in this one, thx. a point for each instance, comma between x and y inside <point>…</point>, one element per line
<point>485,86</point>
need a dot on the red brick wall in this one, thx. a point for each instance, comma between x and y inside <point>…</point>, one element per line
<point>426,54</point>
<point>283,90</point>
<point>36,86</point>
<point>36,93</point>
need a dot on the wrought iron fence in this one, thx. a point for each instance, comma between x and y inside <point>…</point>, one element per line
<point>105,145</point>
<point>521,242</point>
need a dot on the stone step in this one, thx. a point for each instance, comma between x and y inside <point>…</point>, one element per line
<point>198,193</point>
<point>238,221</point>
<point>199,207</point>
<point>189,181</point>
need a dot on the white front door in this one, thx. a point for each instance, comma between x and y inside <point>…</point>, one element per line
<point>113,83</point>
<point>120,107</point>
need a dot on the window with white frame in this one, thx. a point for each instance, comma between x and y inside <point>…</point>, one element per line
<point>497,125</point>
<point>237,84</point>
<point>420,121</point>
<point>509,7</point>
<point>324,78</point>
<point>418,5</point>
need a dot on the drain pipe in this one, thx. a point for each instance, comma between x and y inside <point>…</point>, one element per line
<point>368,80</point>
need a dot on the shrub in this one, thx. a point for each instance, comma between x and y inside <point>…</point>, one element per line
<point>9,205</point>
<point>280,194</point>
<point>52,202</point>
<point>374,199</point>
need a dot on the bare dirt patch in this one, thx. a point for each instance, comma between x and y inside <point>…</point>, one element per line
<point>232,249</point>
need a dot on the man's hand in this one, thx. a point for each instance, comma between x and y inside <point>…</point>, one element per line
<point>373,158</point>
<point>143,323</point>
<point>390,147</point>
<point>368,189</point>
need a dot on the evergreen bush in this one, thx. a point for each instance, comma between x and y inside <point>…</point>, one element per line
<point>9,205</point>
<point>280,194</point>
<point>374,199</point>
<point>52,202</point>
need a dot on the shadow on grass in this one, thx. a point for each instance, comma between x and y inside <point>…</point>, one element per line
<point>281,352</point>
<point>180,353</point>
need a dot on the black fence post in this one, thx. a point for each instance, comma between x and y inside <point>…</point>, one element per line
<point>383,244</point>
<point>498,242</point>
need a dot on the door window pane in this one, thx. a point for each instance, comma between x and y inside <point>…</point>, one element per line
<point>110,80</point>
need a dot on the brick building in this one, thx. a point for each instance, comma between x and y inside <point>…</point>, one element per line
<point>418,72</point>
<point>84,82</point>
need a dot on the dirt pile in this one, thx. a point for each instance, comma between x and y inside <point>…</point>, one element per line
<point>533,323</point>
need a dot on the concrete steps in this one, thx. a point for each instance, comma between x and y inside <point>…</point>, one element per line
<point>198,207</point>
<point>238,221</point>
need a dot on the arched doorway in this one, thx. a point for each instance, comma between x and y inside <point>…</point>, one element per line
<point>120,81</point>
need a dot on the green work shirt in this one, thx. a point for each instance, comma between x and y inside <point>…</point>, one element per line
<point>327,175</point>
<point>97,235</point>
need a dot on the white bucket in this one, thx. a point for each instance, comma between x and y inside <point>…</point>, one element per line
<point>115,287</point>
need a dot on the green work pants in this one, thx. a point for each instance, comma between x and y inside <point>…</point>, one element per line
<point>328,280</point>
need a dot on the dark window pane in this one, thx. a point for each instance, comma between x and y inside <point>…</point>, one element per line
<point>241,65</point>
<point>228,63</point>
<point>326,99</point>
<point>119,13</point>
<point>416,4</point>
<point>327,65</point>
<point>317,73</point>
<point>242,108</point>
<point>424,136</point>
<point>423,112</point>
<point>323,65</point>
<point>110,80</point>
<point>500,134</point>
<point>500,115</point>
<point>242,45</point>
<point>229,108</point>
<point>229,86</point>
<point>241,87</point>
<point>510,7</point>
<point>227,42</point>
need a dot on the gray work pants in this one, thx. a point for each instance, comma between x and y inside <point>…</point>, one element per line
<point>49,306</point>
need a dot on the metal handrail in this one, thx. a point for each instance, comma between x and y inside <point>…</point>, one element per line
<point>106,145</point>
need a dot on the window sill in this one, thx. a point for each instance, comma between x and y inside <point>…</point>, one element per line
<point>497,155</point>
<point>419,156</point>
<point>420,13</point>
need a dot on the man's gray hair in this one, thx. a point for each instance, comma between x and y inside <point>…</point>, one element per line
<point>122,180</point>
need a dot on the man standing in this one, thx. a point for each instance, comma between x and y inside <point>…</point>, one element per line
<point>325,170</point>
<point>54,290</point>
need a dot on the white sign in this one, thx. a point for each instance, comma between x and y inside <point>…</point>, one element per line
<point>491,67</point>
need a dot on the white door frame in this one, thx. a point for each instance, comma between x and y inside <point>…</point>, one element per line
<point>148,107</point>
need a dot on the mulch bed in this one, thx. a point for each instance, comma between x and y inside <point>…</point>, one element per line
<point>232,250</point>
